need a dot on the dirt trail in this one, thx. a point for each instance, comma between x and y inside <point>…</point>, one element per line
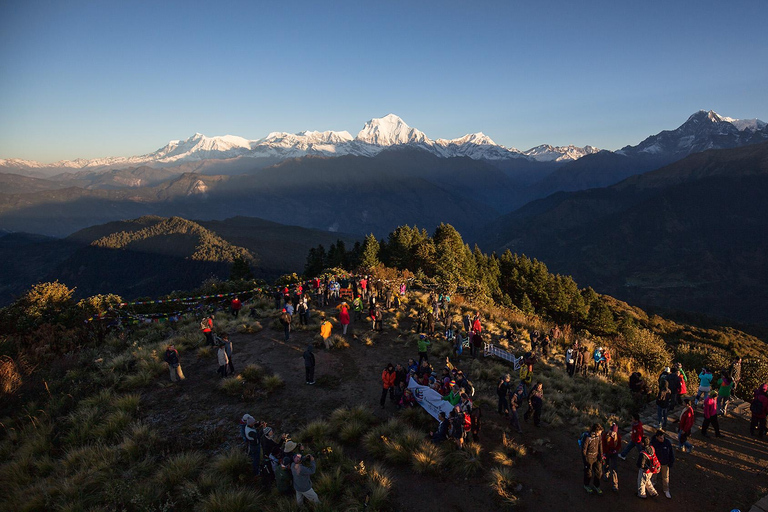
<point>720,475</point>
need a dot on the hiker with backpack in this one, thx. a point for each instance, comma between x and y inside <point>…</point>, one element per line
<point>725,388</point>
<point>710,415</point>
<point>206,326</point>
<point>174,366</point>
<point>759,409</point>
<point>648,465</point>
<point>285,321</point>
<point>592,457</point>
<point>666,457</point>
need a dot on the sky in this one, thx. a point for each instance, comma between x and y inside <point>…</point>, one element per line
<point>88,79</point>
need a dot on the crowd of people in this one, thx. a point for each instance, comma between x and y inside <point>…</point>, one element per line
<point>278,461</point>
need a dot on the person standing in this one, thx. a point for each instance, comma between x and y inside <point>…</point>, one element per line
<point>236,306</point>
<point>357,307</point>
<point>662,402</point>
<point>735,373</point>
<point>223,361</point>
<point>635,437</point>
<point>673,379</point>
<point>387,384</point>
<point>344,317</point>
<point>666,455</point>
<point>710,415</point>
<point>174,366</point>
<point>535,404</point>
<point>228,349</point>
<point>325,332</point>
<point>502,391</point>
<point>592,457</point>
<point>648,465</point>
<point>759,409</point>
<point>422,346</point>
<point>685,425</point>
<point>302,483</point>
<point>705,385</point>
<point>309,364</point>
<point>570,361</point>
<point>725,388</point>
<point>611,447</point>
<point>515,401</point>
<point>285,320</point>
<point>207,327</point>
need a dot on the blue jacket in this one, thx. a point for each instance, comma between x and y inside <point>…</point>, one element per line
<point>442,432</point>
<point>664,451</point>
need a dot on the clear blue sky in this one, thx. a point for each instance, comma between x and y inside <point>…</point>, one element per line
<point>107,78</point>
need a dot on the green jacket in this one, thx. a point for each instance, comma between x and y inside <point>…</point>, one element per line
<point>452,398</point>
<point>423,344</point>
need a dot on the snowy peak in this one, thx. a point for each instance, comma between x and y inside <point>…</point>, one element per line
<point>389,131</point>
<point>547,153</point>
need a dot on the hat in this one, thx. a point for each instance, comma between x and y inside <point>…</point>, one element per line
<point>614,428</point>
<point>289,446</point>
<point>251,421</point>
<point>659,432</point>
<point>286,461</point>
<point>267,431</point>
<point>246,418</point>
<point>453,383</point>
<point>666,369</point>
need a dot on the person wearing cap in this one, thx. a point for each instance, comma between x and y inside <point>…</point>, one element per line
<point>302,483</point>
<point>666,455</point>
<point>253,438</point>
<point>285,320</point>
<point>611,447</point>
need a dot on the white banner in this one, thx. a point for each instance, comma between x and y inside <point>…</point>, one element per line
<point>429,399</point>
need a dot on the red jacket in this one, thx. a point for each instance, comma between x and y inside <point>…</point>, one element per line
<point>637,432</point>
<point>686,420</point>
<point>611,446</point>
<point>388,379</point>
<point>236,304</point>
<point>476,326</point>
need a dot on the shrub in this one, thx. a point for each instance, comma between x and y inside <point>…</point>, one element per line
<point>330,484</point>
<point>427,458</point>
<point>112,426</point>
<point>227,500</point>
<point>253,373</point>
<point>139,440</point>
<point>352,430</point>
<point>233,466</point>
<point>127,403</point>
<point>272,383</point>
<point>233,386</point>
<point>205,352</point>
<point>465,463</point>
<point>339,342</point>
<point>317,432</point>
<point>180,468</point>
<point>502,483</point>
<point>644,347</point>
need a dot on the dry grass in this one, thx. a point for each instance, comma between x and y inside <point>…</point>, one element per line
<point>205,352</point>
<point>316,432</point>
<point>232,386</point>
<point>253,373</point>
<point>465,463</point>
<point>228,500</point>
<point>339,342</point>
<point>272,383</point>
<point>502,483</point>
<point>428,458</point>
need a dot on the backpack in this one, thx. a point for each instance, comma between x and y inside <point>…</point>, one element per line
<point>582,438</point>
<point>204,324</point>
<point>756,407</point>
<point>655,464</point>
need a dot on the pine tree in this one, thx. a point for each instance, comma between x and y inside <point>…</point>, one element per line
<point>241,270</point>
<point>370,254</point>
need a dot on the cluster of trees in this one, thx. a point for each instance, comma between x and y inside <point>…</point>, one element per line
<point>510,279</point>
<point>207,245</point>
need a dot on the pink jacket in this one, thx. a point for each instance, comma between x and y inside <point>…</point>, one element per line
<point>710,407</point>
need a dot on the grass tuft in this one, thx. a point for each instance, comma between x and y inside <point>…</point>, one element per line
<point>272,383</point>
<point>227,500</point>
<point>428,458</point>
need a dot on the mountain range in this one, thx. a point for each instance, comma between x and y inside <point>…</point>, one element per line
<point>377,135</point>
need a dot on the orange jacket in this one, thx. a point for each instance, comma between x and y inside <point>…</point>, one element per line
<point>388,379</point>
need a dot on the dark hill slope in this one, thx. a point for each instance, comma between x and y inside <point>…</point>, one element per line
<point>690,236</point>
<point>347,194</point>
<point>153,255</point>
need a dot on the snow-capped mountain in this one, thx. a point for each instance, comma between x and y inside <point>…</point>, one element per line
<point>377,135</point>
<point>703,130</point>
<point>547,153</point>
